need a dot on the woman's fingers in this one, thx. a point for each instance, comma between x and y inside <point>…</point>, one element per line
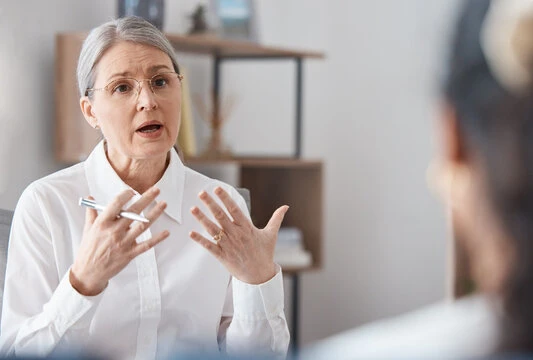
<point>90,215</point>
<point>233,209</point>
<point>150,243</point>
<point>145,200</point>
<point>216,210</point>
<point>247,252</point>
<point>152,215</point>
<point>115,207</point>
<point>209,245</point>
<point>109,245</point>
<point>210,226</point>
<point>277,218</point>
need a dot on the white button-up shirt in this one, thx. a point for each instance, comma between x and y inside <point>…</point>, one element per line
<point>174,297</point>
<point>469,328</point>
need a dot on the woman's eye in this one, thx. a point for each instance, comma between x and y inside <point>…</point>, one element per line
<point>159,82</point>
<point>122,88</point>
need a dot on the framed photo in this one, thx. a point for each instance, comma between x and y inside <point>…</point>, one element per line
<point>235,19</point>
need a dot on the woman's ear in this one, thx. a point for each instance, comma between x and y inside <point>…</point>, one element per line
<point>449,172</point>
<point>88,111</point>
<point>452,139</point>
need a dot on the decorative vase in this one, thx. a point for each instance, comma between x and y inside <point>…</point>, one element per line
<point>216,116</point>
<point>216,149</point>
<point>150,10</point>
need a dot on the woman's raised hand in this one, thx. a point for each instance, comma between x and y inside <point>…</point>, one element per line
<point>109,244</point>
<point>246,251</point>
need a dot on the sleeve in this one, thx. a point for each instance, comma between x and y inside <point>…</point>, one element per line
<point>41,311</point>
<point>253,320</point>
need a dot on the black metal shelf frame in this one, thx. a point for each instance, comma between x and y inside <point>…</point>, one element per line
<point>217,63</point>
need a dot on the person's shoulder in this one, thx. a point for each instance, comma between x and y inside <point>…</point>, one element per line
<point>464,328</point>
<point>63,181</point>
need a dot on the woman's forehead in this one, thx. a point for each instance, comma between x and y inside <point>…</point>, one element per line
<point>130,58</point>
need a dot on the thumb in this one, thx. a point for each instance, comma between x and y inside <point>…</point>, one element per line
<point>277,218</point>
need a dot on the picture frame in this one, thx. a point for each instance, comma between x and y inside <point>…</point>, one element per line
<point>151,10</point>
<point>235,19</point>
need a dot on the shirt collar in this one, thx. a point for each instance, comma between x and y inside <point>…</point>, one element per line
<point>172,185</point>
<point>105,184</point>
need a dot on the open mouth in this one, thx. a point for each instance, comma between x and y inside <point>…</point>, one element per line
<point>149,128</point>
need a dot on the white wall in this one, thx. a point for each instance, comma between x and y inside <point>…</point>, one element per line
<point>27,30</point>
<point>369,110</point>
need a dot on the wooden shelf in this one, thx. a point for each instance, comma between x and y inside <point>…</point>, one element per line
<point>216,46</point>
<point>74,138</point>
<point>281,161</point>
<point>212,45</point>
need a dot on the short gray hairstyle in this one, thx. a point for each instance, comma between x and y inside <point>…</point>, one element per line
<point>101,38</point>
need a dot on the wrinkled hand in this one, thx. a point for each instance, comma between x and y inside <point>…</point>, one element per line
<point>108,243</point>
<point>246,251</point>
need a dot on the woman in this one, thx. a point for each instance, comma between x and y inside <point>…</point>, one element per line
<point>485,174</point>
<point>100,282</point>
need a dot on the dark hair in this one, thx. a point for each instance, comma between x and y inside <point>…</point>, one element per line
<point>496,125</point>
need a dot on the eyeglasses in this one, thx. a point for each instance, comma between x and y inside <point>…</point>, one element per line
<point>163,85</point>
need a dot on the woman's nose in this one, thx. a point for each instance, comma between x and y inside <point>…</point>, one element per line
<point>146,99</point>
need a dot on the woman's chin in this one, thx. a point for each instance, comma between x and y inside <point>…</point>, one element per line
<point>154,149</point>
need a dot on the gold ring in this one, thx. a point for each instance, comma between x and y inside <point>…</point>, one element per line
<point>218,236</point>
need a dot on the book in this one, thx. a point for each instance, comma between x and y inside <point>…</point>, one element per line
<point>290,251</point>
<point>291,259</point>
<point>289,237</point>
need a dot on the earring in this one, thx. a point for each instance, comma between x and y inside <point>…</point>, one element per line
<point>96,127</point>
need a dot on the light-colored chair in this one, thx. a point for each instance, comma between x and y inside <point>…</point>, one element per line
<point>245,193</point>
<point>6,216</point>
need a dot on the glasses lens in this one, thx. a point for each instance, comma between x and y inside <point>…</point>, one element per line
<point>164,83</point>
<point>122,88</point>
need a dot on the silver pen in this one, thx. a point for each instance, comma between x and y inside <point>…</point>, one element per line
<point>125,214</point>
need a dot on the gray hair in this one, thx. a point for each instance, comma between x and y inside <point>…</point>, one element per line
<point>101,38</point>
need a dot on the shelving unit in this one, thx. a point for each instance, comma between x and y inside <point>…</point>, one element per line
<point>272,181</point>
<point>74,138</point>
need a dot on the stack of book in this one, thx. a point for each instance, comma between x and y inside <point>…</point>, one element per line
<point>290,251</point>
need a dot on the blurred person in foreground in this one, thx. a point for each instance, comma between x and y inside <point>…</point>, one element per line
<point>485,175</point>
<point>79,279</point>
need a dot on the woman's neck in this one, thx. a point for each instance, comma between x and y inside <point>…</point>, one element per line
<point>140,175</point>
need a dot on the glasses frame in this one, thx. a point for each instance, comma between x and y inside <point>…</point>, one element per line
<point>139,82</point>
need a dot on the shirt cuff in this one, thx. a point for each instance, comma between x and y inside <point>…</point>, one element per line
<point>257,302</point>
<point>70,309</point>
